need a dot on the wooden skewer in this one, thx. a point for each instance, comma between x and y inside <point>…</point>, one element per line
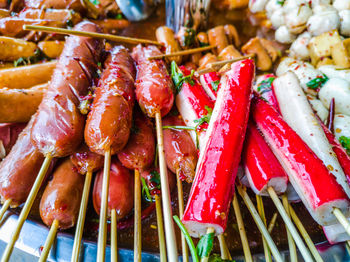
<point>81,218</point>
<point>272,222</point>
<point>260,224</point>
<point>183,52</point>
<point>342,219</point>
<point>260,207</point>
<point>49,241</point>
<point>137,218</point>
<point>4,208</point>
<point>291,244</point>
<point>102,234</point>
<point>305,235</point>
<point>160,227</point>
<point>209,231</point>
<point>217,65</point>
<point>115,38</point>
<point>225,253</point>
<point>246,249</point>
<point>180,196</point>
<point>26,208</point>
<point>299,242</point>
<point>167,212</point>
<point>114,241</point>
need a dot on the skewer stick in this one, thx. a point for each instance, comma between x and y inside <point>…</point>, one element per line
<point>49,241</point>
<point>291,244</point>
<point>26,208</point>
<point>225,253</point>
<point>242,233</point>
<point>272,222</point>
<point>114,241</point>
<point>81,218</point>
<point>102,234</point>
<point>115,38</point>
<point>183,52</point>
<point>217,65</point>
<point>137,218</point>
<point>305,235</point>
<point>209,231</point>
<point>299,242</point>
<point>260,224</point>
<point>167,212</point>
<point>260,207</point>
<point>342,219</point>
<point>180,196</point>
<point>160,226</point>
<point>4,208</point>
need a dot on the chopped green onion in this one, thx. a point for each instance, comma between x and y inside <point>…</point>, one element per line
<point>145,191</point>
<point>215,85</point>
<point>180,127</point>
<point>345,142</point>
<point>205,245</point>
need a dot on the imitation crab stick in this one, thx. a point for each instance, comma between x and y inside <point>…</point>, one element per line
<point>316,186</point>
<point>213,186</point>
<point>297,112</point>
<point>211,83</point>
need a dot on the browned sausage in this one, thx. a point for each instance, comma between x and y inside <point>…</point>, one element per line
<point>109,121</point>
<point>180,152</point>
<point>140,149</point>
<point>19,169</point>
<point>65,16</point>
<point>229,52</point>
<point>84,160</point>
<point>166,36</point>
<point>75,5</point>
<point>112,26</point>
<point>121,190</point>
<point>202,39</point>
<point>154,87</point>
<point>217,37</point>
<point>206,60</point>
<point>62,195</point>
<point>232,35</point>
<point>59,126</point>
<point>8,136</point>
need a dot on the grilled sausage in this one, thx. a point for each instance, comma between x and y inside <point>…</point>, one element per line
<point>61,198</point>
<point>66,16</point>
<point>8,136</point>
<point>154,87</point>
<point>217,37</point>
<point>52,49</point>
<point>13,48</point>
<point>84,160</point>
<point>121,191</point>
<point>75,5</point>
<point>59,126</point>
<point>166,36</point>
<point>140,149</point>
<point>180,151</point>
<point>109,121</point>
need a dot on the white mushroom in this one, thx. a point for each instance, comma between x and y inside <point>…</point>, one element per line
<point>272,6</point>
<point>318,107</point>
<point>341,5</point>
<point>296,18</point>
<point>257,5</point>
<point>341,125</point>
<point>345,22</point>
<point>321,8</point>
<point>299,49</point>
<point>331,71</point>
<point>339,89</point>
<point>283,35</point>
<point>315,3</point>
<point>323,22</point>
<point>277,18</point>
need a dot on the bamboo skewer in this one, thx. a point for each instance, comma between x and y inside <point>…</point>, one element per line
<point>291,244</point>
<point>272,222</point>
<point>180,196</point>
<point>102,234</point>
<point>260,224</point>
<point>225,253</point>
<point>114,247</point>
<point>81,218</point>
<point>260,207</point>
<point>167,212</point>
<point>209,231</point>
<point>342,219</point>
<point>26,208</point>
<point>299,242</point>
<point>246,249</point>
<point>137,218</point>
<point>182,53</point>
<point>160,227</point>
<point>305,235</point>
<point>49,241</point>
<point>4,208</point>
<point>115,38</point>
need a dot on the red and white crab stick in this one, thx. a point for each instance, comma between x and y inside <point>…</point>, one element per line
<point>213,186</point>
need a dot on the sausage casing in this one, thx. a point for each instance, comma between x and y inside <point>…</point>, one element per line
<point>85,160</point>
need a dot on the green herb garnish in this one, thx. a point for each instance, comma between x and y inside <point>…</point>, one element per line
<point>217,258</point>
<point>265,85</point>
<point>189,37</point>
<point>145,190</point>
<point>119,16</point>
<point>38,56</point>
<point>205,245</point>
<point>155,178</point>
<point>205,118</point>
<point>179,78</point>
<point>180,127</point>
<point>317,82</point>
<point>345,142</point>
<point>215,85</point>
<point>281,2</point>
<point>95,2</point>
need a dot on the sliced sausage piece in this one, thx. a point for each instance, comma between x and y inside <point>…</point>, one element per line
<point>140,150</point>
<point>86,161</point>
<point>166,36</point>
<point>121,190</point>
<point>75,5</point>
<point>61,198</point>
<point>13,48</point>
<point>109,121</point>
<point>217,37</point>
<point>58,126</point>
<point>66,16</point>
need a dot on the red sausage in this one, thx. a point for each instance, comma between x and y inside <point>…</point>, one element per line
<point>109,121</point>
<point>58,126</point>
<point>61,198</point>
<point>154,87</point>
<point>121,190</point>
<point>140,149</point>
<point>9,133</point>
<point>180,151</point>
<point>85,160</point>
<point>19,169</point>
